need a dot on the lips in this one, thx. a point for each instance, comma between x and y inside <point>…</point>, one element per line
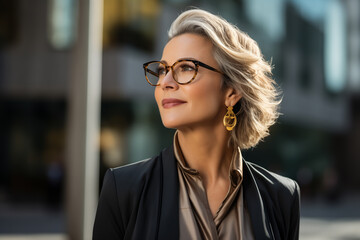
<point>171,102</point>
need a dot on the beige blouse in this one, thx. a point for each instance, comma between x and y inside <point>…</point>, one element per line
<point>231,221</point>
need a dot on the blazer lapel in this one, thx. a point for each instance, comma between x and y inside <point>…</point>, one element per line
<point>169,219</point>
<point>253,200</point>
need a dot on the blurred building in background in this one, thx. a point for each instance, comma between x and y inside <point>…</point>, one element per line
<point>313,45</point>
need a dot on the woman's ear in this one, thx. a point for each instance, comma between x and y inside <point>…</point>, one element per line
<point>232,96</point>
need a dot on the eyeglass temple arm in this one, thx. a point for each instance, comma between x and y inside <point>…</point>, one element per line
<point>208,67</point>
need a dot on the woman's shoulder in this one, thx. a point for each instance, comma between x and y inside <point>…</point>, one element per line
<point>139,166</point>
<point>280,197</point>
<point>272,181</point>
<point>120,195</point>
<point>126,183</point>
<point>134,172</point>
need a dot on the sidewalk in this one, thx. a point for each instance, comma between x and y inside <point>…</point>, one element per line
<point>34,237</point>
<point>335,221</point>
<point>31,222</point>
<point>321,229</point>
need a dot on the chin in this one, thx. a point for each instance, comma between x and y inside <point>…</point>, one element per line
<point>174,121</point>
<point>170,124</point>
<point>171,120</point>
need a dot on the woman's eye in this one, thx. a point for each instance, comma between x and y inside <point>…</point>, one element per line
<point>186,67</point>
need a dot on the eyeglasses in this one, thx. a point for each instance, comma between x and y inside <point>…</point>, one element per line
<point>183,71</point>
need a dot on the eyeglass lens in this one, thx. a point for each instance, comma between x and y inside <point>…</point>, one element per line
<point>183,72</point>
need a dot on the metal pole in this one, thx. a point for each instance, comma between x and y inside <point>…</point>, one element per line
<point>84,121</point>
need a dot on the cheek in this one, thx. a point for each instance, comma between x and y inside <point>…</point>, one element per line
<point>207,99</point>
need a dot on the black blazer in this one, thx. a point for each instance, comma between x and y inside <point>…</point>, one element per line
<point>141,201</point>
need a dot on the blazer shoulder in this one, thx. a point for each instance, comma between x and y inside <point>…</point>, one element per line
<point>138,168</point>
<point>281,198</point>
<point>277,183</point>
<point>119,198</point>
<point>133,176</point>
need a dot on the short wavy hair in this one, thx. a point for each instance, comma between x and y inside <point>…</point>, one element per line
<point>240,58</point>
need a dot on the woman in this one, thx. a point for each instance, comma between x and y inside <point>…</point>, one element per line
<point>212,85</point>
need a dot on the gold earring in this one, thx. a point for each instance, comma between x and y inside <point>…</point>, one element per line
<point>229,119</point>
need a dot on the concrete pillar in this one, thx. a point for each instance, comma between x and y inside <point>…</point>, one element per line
<point>82,164</point>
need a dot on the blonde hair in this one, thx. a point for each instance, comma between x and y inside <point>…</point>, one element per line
<point>240,59</point>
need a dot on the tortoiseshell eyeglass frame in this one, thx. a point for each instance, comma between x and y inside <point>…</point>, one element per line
<point>196,62</point>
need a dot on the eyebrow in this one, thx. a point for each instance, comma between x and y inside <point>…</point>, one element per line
<point>183,58</point>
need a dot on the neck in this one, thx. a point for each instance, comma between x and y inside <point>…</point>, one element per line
<point>207,151</point>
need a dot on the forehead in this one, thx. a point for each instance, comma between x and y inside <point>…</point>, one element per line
<point>188,45</point>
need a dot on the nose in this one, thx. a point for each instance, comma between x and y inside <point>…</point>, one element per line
<point>168,82</point>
